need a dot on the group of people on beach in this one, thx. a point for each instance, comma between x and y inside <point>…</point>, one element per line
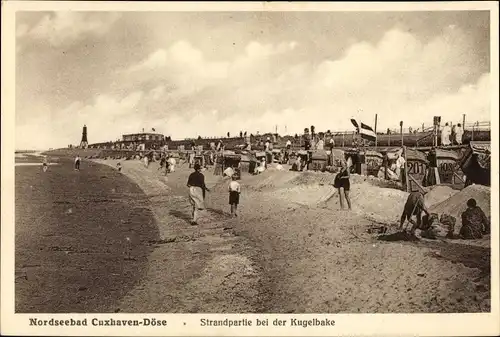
<point>167,162</point>
<point>475,223</point>
<point>197,191</point>
<point>45,164</point>
<point>452,135</point>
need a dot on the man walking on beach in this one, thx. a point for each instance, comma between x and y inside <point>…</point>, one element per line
<point>77,162</point>
<point>415,205</point>
<point>197,188</point>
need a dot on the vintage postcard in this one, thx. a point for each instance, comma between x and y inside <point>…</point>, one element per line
<point>249,168</point>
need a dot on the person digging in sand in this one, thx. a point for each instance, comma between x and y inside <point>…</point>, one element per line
<point>414,205</point>
<point>234,195</point>
<point>197,188</point>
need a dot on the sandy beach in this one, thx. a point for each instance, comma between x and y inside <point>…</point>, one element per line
<point>72,252</point>
<point>301,255</point>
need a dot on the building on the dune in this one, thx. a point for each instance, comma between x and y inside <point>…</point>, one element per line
<point>141,137</point>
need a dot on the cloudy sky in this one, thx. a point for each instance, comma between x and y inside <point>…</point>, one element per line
<point>189,74</point>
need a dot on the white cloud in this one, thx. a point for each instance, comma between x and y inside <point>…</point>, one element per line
<point>182,58</point>
<point>67,26</point>
<point>157,93</point>
<point>190,71</point>
<point>400,78</point>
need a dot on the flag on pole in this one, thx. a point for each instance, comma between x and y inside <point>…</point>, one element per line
<point>365,131</point>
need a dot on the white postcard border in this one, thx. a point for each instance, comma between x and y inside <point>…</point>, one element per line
<point>345,324</point>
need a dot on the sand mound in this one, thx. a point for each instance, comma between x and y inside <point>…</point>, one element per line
<point>375,181</point>
<point>270,179</point>
<point>368,197</point>
<point>312,178</point>
<point>455,205</point>
<point>439,194</point>
<point>313,189</point>
<point>378,203</point>
<point>305,195</point>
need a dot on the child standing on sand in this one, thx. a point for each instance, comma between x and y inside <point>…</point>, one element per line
<point>234,195</point>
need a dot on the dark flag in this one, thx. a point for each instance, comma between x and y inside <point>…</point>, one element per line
<point>153,129</point>
<point>365,131</point>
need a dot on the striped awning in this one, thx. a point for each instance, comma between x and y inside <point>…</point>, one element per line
<point>447,154</point>
<point>482,151</point>
<point>481,147</point>
<point>415,155</point>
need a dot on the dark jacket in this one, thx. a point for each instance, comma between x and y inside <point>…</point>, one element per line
<point>197,179</point>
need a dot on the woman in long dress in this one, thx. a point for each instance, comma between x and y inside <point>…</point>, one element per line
<point>445,135</point>
<point>172,163</point>
<point>459,133</point>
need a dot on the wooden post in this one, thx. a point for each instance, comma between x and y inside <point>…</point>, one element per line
<point>438,177</point>
<point>401,131</point>
<point>222,155</point>
<point>376,130</point>
<point>407,183</point>
<point>435,140</point>
<point>343,138</point>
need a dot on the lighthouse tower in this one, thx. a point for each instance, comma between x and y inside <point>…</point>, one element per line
<point>84,143</point>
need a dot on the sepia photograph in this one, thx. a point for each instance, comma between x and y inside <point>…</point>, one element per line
<point>253,161</point>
